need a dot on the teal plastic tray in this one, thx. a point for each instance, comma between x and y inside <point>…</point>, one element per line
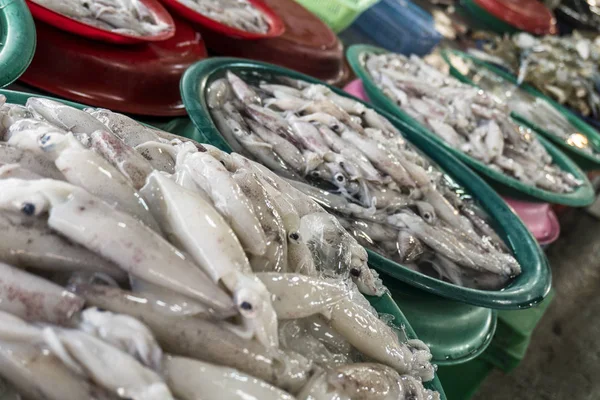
<point>455,332</point>
<point>524,291</point>
<point>17,40</point>
<point>582,196</point>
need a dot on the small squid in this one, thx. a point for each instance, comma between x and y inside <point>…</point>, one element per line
<point>120,238</point>
<point>195,226</point>
<point>349,313</point>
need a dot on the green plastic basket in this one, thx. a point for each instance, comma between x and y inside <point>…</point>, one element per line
<point>338,14</point>
<point>505,184</point>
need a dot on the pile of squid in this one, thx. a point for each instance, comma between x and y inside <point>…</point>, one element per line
<point>468,119</point>
<point>534,109</point>
<point>355,163</point>
<point>562,67</point>
<point>130,17</point>
<point>140,266</point>
<point>239,14</point>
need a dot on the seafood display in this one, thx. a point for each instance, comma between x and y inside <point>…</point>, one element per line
<point>239,14</point>
<point>534,109</point>
<point>468,119</point>
<point>140,265</point>
<point>355,163</point>
<point>564,68</point>
<point>129,17</point>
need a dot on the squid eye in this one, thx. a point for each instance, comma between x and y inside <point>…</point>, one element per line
<point>294,236</point>
<point>427,216</point>
<point>246,306</point>
<point>44,139</point>
<point>28,209</point>
<point>339,177</point>
<point>355,272</point>
<point>315,174</point>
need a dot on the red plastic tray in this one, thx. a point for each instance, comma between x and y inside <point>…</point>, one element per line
<point>308,45</point>
<point>528,15</point>
<point>81,28</point>
<point>140,79</point>
<point>276,26</point>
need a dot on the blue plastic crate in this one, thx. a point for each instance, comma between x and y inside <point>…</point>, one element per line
<point>397,25</point>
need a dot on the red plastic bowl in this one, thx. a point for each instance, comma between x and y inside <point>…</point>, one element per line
<point>139,79</point>
<point>276,25</point>
<point>528,15</point>
<point>72,25</point>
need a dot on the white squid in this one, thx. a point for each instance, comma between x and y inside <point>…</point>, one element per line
<point>192,224</point>
<point>117,236</point>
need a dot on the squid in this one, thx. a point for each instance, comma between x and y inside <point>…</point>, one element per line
<point>204,340</point>
<point>62,116</point>
<point>135,134</point>
<point>365,381</point>
<point>193,225</point>
<point>226,195</point>
<point>34,371</point>
<point>29,242</point>
<point>116,236</point>
<point>349,313</point>
<point>196,380</point>
<point>91,359</point>
<point>36,299</point>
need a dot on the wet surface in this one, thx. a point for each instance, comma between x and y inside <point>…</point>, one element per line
<point>563,360</point>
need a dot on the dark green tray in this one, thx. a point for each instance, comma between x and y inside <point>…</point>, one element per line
<point>505,184</point>
<point>455,332</point>
<point>17,40</point>
<point>524,291</point>
<point>583,159</point>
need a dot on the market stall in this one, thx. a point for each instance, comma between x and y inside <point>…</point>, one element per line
<point>182,224</point>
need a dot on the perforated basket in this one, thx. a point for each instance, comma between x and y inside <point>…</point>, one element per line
<point>338,14</point>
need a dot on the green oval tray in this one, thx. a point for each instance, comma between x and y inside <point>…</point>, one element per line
<point>583,159</point>
<point>384,304</point>
<point>455,332</point>
<point>505,184</point>
<point>17,40</point>
<point>524,291</point>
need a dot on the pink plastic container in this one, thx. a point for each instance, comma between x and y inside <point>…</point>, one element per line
<point>539,218</point>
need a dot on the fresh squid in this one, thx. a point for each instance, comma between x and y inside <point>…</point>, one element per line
<point>89,170</point>
<point>341,254</point>
<point>204,340</point>
<point>193,225</point>
<point>366,381</point>
<point>118,237</point>
<point>134,134</point>
<point>194,380</point>
<point>30,161</point>
<point>36,299</point>
<point>125,333</point>
<point>91,359</point>
<point>29,242</point>
<point>129,162</point>
<point>298,296</point>
<point>63,116</point>
<point>37,373</point>
<point>276,256</point>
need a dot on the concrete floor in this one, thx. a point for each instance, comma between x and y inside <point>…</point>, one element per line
<point>563,360</point>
